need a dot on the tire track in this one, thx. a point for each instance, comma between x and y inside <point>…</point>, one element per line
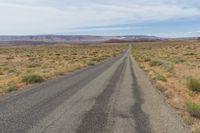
<point>95,120</point>
<point>141,118</point>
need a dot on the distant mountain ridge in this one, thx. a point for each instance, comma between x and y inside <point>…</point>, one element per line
<point>75,38</point>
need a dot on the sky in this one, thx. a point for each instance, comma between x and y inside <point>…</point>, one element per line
<point>164,18</point>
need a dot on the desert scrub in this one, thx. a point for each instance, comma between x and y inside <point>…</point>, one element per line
<point>188,120</point>
<point>161,78</point>
<point>91,63</point>
<point>1,71</point>
<point>156,62</point>
<point>193,108</point>
<point>160,86</point>
<point>168,67</point>
<point>147,59</point>
<point>49,61</point>
<point>60,73</point>
<point>193,84</point>
<point>11,86</point>
<point>32,78</point>
<point>33,65</point>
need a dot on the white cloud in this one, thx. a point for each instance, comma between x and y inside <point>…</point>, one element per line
<point>179,34</point>
<point>48,16</point>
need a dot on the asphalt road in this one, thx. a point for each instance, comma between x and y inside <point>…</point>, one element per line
<point>112,97</point>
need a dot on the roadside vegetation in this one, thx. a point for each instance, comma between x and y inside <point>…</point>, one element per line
<point>33,78</point>
<point>21,66</point>
<point>193,84</point>
<point>174,68</point>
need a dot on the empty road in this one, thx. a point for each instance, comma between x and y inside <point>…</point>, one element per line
<point>111,97</point>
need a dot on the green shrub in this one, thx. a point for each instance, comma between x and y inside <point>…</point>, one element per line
<point>11,86</point>
<point>45,66</point>
<point>188,120</point>
<point>1,71</point>
<point>12,70</point>
<point>147,59</point>
<point>168,67</point>
<point>161,78</point>
<point>160,87</point>
<point>91,63</point>
<point>60,73</point>
<point>193,84</point>
<point>182,60</point>
<point>156,62</point>
<point>193,109</point>
<point>33,65</point>
<point>33,78</point>
<point>97,59</point>
<point>10,57</point>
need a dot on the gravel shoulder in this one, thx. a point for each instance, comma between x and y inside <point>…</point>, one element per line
<point>162,117</point>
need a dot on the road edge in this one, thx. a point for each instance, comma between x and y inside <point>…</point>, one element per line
<point>56,78</point>
<point>143,81</point>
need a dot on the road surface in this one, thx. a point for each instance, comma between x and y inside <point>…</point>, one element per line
<point>111,97</point>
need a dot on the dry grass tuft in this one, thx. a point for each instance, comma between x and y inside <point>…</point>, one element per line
<point>193,108</point>
<point>32,78</point>
<point>193,84</point>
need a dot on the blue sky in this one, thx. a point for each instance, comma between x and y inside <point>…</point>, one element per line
<point>165,18</point>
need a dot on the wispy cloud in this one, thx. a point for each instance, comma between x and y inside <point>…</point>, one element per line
<point>49,16</point>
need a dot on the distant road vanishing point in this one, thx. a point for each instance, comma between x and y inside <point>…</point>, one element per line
<point>112,97</point>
